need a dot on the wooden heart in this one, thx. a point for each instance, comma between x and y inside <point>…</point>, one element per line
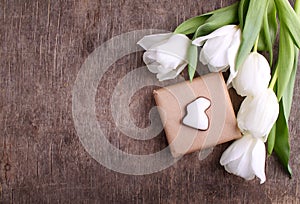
<point>196,116</point>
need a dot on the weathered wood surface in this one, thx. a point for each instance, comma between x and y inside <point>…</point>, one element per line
<point>43,45</point>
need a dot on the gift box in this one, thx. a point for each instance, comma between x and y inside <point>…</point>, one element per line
<point>187,127</point>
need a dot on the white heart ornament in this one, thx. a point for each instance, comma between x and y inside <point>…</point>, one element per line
<point>196,116</point>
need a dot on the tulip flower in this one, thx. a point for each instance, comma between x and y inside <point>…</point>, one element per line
<point>253,76</point>
<point>166,54</point>
<point>220,48</point>
<point>246,158</point>
<point>258,114</point>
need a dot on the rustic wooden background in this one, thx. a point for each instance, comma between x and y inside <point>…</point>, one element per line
<point>43,45</point>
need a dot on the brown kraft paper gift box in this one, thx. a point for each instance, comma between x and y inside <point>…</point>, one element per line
<point>172,102</point>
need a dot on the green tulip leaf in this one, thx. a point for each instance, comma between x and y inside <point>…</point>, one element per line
<point>190,26</point>
<point>271,139</point>
<point>222,17</point>
<point>252,26</point>
<point>272,20</point>
<point>287,97</point>
<point>285,61</point>
<point>268,30</point>
<point>282,146</point>
<point>193,60</point>
<point>243,8</point>
<point>290,19</point>
<point>286,68</point>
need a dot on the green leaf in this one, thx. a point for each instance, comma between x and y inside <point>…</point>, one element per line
<point>251,29</point>
<point>272,20</point>
<point>286,71</point>
<point>222,17</point>
<point>271,139</point>
<point>290,19</point>
<point>193,60</point>
<point>297,7</point>
<point>287,97</point>
<point>190,26</point>
<point>285,61</point>
<point>282,146</point>
<point>268,30</point>
<point>243,8</point>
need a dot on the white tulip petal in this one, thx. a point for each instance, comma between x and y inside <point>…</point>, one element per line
<point>168,60</point>
<point>176,46</point>
<point>172,53</point>
<point>233,48</point>
<point>153,67</point>
<point>166,54</point>
<point>246,158</point>
<point>244,168</point>
<point>258,114</point>
<point>216,51</point>
<point>225,30</point>
<point>203,58</point>
<point>232,166</point>
<point>171,74</point>
<point>263,71</point>
<point>149,41</point>
<point>217,69</point>
<point>232,75</point>
<point>149,57</point>
<point>235,150</point>
<point>231,55</point>
<point>258,160</point>
<point>163,70</point>
<point>272,111</point>
<point>180,68</point>
<point>241,115</point>
<point>254,75</point>
<point>166,76</point>
<point>241,167</point>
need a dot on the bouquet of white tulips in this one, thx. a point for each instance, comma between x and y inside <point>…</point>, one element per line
<point>231,39</point>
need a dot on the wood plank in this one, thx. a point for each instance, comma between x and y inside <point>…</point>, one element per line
<point>43,46</point>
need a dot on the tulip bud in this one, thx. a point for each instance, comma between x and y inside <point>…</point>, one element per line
<point>246,158</point>
<point>166,54</point>
<point>253,76</point>
<point>220,48</point>
<point>258,114</point>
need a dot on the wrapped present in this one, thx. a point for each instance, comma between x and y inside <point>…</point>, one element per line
<point>197,114</point>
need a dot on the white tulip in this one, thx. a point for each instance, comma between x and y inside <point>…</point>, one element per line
<point>253,76</point>
<point>246,158</point>
<point>258,114</point>
<point>220,49</point>
<point>166,54</point>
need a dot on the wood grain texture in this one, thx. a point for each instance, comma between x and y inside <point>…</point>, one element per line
<point>43,45</point>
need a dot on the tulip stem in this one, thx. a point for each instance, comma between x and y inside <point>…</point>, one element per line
<point>256,44</point>
<point>274,79</point>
